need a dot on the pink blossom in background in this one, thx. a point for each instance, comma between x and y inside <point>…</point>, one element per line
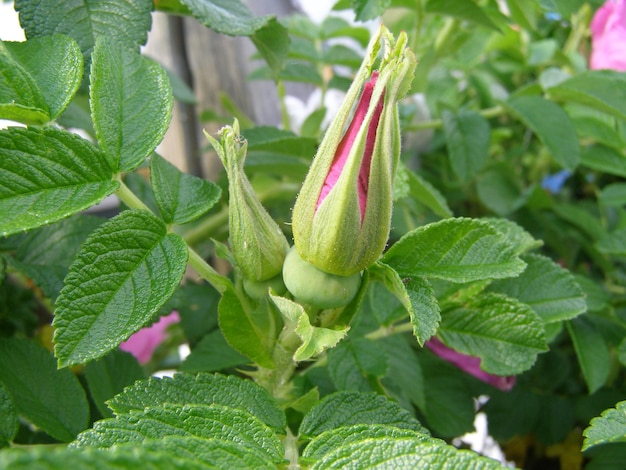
<point>143,343</point>
<point>608,36</point>
<point>470,365</point>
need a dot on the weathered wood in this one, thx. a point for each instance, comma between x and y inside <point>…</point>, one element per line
<point>212,64</point>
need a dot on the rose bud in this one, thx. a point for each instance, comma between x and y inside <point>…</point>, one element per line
<point>342,216</point>
<point>257,242</point>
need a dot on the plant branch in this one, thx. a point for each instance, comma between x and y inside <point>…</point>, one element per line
<point>438,123</point>
<point>385,331</point>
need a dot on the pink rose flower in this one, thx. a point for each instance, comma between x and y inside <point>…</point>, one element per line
<point>470,365</point>
<point>349,140</point>
<point>608,36</point>
<point>143,343</point>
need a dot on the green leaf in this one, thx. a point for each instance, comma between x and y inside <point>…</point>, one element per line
<point>202,421</point>
<point>606,457</point>
<point>301,72</point>
<point>404,376</point>
<point>607,428</point>
<point>197,305</point>
<point>311,127</point>
<point>621,351</point>
<point>20,98</point>
<point>448,405</point>
<point>43,74</point>
<point>582,218</point>
<point>541,52</point>
<point>597,297</point>
<point>390,452</point>
<point>314,339</point>
<point>279,141</point>
<point>125,271</point>
<point>427,194</point>
<point>272,42</point>
<point>9,420</point>
<point>369,9</point>
<point>202,389</point>
<point>241,330</point>
<point>181,197</point>
<point>356,365</point>
<point>381,303</point>
<point>350,408</point>
<point>603,131</point>
<point>212,354</point>
<point>51,399</point>
<point>126,21</point>
<point>507,335</point>
<point>604,159</point>
<point>109,375</point>
<point>331,440</point>
<point>131,103</point>
<point>96,459</point>
<point>46,175</point>
<point>603,90</point>
<point>458,250</point>
<point>592,352</point>
<point>342,55</point>
<point>551,124</point>
<point>467,137</point>
<point>550,290</point>
<point>230,17</point>
<point>613,195</point>
<point>417,297</point>
<point>498,188</point>
<point>613,243</point>
<point>519,238</point>
<point>45,255</point>
<point>466,10</point>
<point>180,90</point>
<point>334,27</point>
<point>565,7</point>
<point>524,13</point>
<point>210,453</point>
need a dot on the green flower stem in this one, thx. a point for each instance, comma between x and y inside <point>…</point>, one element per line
<point>446,35</point>
<point>290,443</point>
<point>579,30</point>
<point>438,123</point>
<point>212,224</point>
<point>206,272</point>
<point>207,228</point>
<point>277,381</point>
<point>286,122</point>
<point>383,331</point>
<point>128,197</point>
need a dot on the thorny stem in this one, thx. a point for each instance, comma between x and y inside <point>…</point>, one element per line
<point>277,381</point>
<point>290,443</point>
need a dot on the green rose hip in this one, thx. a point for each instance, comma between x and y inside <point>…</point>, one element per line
<point>312,286</point>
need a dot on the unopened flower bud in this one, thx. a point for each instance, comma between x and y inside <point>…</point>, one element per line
<point>342,216</point>
<point>257,242</point>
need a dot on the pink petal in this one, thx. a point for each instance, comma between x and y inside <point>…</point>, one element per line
<point>608,34</point>
<point>470,365</point>
<point>143,343</point>
<point>343,150</point>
